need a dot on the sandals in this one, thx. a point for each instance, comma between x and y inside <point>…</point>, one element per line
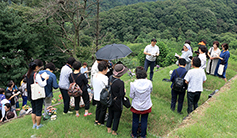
<point>115,134</point>
<point>87,114</point>
<point>77,115</point>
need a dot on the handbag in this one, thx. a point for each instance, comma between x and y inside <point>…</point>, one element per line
<point>37,92</point>
<point>74,89</point>
<point>126,102</point>
<point>221,69</point>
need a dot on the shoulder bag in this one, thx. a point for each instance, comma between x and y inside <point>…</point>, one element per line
<point>37,92</point>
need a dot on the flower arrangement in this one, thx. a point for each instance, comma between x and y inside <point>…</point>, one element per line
<point>157,67</point>
<point>50,113</point>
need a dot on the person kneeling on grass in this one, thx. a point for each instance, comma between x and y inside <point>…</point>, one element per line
<point>82,82</point>
<point>195,79</point>
<point>6,106</point>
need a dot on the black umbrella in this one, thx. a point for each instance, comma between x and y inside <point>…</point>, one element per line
<point>114,51</point>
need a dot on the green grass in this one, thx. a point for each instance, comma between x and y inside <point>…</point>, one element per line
<point>160,121</point>
<point>218,120</point>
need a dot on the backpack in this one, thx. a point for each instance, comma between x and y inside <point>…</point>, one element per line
<point>106,94</point>
<point>74,89</point>
<point>179,83</point>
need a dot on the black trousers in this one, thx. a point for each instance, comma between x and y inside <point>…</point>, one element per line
<point>175,94</point>
<point>37,106</point>
<point>114,117</point>
<point>86,99</point>
<point>193,98</point>
<point>100,112</point>
<point>66,100</point>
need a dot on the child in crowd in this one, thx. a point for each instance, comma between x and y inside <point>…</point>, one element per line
<point>6,106</point>
<point>84,70</point>
<point>202,56</point>
<point>15,89</point>
<point>11,96</point>
<point>195,79</point>
<point>23,90</point>
<point>2,96</point>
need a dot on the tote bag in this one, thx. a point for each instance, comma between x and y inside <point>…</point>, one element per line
<point>37,92</point>
<point>221,69</point>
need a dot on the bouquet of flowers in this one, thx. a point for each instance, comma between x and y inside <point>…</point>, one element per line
<point>157,67</point>
<point>50,112</point>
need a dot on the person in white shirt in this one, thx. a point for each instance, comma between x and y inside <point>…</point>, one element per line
<point>202,56</point>
<point>151,51</point>
<point>94,69</point>
<point>100,80</point>
<point>195,79</point>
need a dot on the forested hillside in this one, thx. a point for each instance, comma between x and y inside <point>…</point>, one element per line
<point>176,20</point>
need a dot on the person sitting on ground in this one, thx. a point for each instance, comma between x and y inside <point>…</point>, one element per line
<point>195,79</point>
<point>82,82</point>
<point>64,83</point>
<point>118,92</point>
<point>84,70</point>
<point>2,96</point>
<point>51,83</point>
<point>15,89</point>
<point>202,56</point>
<point>100,80</point>
<point>11,96</point>
<point>140,92</point>
<point>174,94</point>
<point>23,90</point>
<point>6,106</point>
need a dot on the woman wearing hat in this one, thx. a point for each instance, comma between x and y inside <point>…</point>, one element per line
<point>186,55</point>
<point>118,92</point>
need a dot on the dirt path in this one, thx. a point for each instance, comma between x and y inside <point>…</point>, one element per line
<point>200,110</point>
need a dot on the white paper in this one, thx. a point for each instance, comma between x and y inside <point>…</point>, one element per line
<point>176,55</point>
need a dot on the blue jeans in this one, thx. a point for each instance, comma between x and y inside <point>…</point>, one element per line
<point>135,123</point>
<point>24,100</point>
<point>152,65</point>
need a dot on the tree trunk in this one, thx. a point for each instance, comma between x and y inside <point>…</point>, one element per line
<point>97,25</point>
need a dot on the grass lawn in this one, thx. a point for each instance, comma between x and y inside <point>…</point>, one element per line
<point>160,121</point>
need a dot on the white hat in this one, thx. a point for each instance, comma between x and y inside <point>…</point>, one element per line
<point>188,46</point>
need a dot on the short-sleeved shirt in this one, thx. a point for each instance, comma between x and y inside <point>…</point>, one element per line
<point>153,50</point>
<point>8,95</point>
<point>99,81</point>
<point>195,78</point>
<point>84,70</point>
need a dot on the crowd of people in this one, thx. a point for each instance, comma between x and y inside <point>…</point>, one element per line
<point>103,73</point>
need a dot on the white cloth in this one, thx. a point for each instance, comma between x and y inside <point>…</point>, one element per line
<point>185,55</point>
<point>195,78</point>
<point>140,91</point>
<point>38,79</point>
<point>99,82</point>
<point>94,70</point>
<point>3,102</point>
<point>153,50</point>
<point>203,60</point>
<point>64,77</point>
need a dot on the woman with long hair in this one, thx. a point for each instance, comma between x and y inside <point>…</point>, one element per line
<point>37,105</point>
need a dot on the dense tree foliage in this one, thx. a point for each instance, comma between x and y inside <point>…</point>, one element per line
<point>177,20</point>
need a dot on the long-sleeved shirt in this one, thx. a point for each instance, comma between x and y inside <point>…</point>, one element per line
<point>30,81</point>
<point>64,75</point>
<point>51,83</point>
<point>140,91</point>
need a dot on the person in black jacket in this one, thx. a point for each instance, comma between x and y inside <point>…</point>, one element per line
<point>82,81</point>
<point>118,92</point>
